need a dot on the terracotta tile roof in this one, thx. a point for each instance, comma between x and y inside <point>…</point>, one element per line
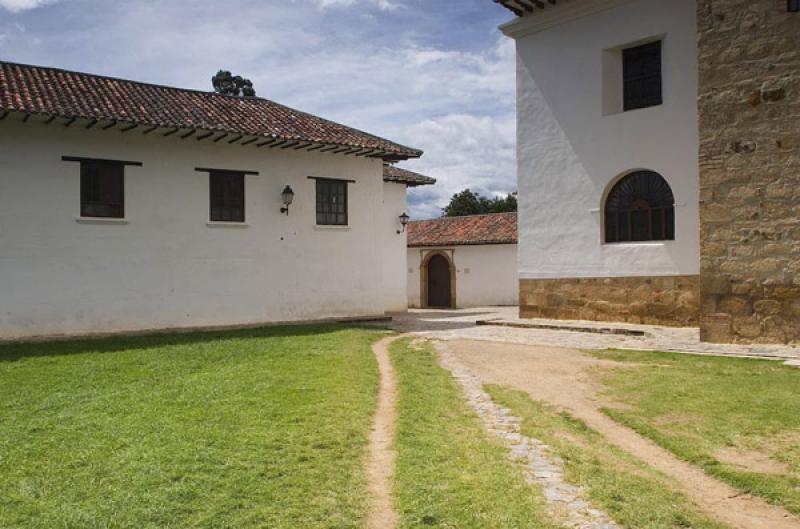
<point>46,91</point>
<point>495,228</point>
<point>404,176</point>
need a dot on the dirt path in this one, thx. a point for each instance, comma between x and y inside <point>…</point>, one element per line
<point>562,377</point>
<point>380,462</point>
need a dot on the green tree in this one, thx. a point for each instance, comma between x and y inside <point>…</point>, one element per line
<point>468,202</point>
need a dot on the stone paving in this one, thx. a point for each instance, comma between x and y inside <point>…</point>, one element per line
<point>567,502</point>
<point>461,324</point>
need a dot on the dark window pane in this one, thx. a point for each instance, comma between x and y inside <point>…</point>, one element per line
<point>331,202</point>
<point>640,207</point>
<point>102,189</point>
<point>226,196</point>
<point>642,83</point>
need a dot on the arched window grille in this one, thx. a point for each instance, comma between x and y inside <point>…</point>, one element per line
<point>640,207</point>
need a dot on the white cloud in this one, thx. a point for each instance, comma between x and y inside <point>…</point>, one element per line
<point>16,6</point>
<point>385,5</point>
<point>463,151</point>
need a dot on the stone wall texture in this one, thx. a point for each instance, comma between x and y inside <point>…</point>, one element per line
<point>749,107</point>
<point>660,300</point>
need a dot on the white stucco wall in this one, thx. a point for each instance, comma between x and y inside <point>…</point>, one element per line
<point>167,268</point>
<point>394,253</point>
<point>486,275</point>
<point>569,152</point>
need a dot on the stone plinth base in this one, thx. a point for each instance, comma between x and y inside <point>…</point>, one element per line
<point>656,300</point>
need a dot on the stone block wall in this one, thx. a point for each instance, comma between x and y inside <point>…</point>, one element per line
<point>749,107</point>
<point>661,300</point>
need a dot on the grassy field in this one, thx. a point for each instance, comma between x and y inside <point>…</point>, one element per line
<point>249,429</point>
<point>635,495</point>
<point>450,473</point>
<point>738,419</point>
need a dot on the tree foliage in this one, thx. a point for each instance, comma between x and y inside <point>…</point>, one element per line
<point>468,202</point>
<point>233,85</point>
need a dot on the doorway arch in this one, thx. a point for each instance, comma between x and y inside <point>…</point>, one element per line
<point>438,281</point>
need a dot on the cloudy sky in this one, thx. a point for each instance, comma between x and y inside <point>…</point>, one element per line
<point>433,74</point>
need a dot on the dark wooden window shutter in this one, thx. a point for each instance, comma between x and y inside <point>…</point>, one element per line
<point>331,202</point>
<point>226,196</point>
<point>642,80</point>
<point>102,189</point>
<point>640,207</point>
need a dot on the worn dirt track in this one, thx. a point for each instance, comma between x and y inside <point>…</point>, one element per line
<point>381,458</point>
<point>562,378</point>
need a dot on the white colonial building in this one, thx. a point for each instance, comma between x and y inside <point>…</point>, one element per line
<point>126,206</point>
<point>462,262</point>
<point>607,159</point>
<point>658,163</point>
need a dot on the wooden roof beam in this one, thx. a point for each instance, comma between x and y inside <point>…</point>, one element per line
<point>268,142</point>
<point>505,3</point>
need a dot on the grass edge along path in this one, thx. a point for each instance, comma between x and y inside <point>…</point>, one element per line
<point>450,473</point>
<point>748,394</point>
<point>635,495</point>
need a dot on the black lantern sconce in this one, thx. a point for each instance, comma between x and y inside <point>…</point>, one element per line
<point>403,222</point>
<point>288,196</point>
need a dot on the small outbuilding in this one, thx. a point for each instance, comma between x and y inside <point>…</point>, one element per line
<point>459,262</point>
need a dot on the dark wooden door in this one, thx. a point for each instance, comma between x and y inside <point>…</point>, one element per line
<point>438,282</point>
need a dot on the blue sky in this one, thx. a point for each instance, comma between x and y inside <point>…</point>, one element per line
<point>433,74</point>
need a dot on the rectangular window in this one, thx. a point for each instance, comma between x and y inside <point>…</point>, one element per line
<point>102,189</point>
<point>331,202</point>
<point>227,196</point>
<point>641,73</point>
<point>793,6</point>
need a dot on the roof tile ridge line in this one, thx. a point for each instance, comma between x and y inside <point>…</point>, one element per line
<point>207,94</point>
<point>443,218</point>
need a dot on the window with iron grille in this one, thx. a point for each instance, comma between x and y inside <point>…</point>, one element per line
<point>227,196</point>
<point>640,207</point>
<point>331,202</point>
<point>641,72</point>
<point>102,189</point>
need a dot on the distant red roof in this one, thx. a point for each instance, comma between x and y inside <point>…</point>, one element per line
<point>51,92</point>
<point>495,228</point>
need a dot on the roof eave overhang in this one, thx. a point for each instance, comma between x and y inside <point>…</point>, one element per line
<point>212,135</point>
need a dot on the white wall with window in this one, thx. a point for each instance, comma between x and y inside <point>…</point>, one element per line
<point>184,234</point>
<point>605,90</point>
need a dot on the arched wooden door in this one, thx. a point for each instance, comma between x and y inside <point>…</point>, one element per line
<point>439,293</point>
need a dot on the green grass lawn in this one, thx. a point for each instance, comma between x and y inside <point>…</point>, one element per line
<point>635,495</point>
<point>450,473</point>
<point>698,406</point>
<point>262,428</point>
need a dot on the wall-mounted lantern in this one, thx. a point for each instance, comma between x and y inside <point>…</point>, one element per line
<point>403,222</point>
<point>288,196</point>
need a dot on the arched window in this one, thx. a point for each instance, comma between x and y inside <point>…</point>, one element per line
<point>640,207</point>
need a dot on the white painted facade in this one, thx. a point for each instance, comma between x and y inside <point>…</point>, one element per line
<point>574,142</point>
<point>166,266</point>
<point>486,274</point>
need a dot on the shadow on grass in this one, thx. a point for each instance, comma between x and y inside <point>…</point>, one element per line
<point>10,352</point>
